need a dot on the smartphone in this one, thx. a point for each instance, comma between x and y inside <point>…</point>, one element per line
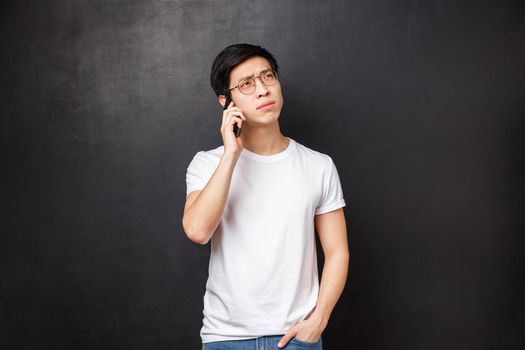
<point>236,129</point>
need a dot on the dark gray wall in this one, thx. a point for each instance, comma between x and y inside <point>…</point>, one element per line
<point>419,103</point>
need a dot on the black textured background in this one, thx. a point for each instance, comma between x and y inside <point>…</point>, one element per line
<point>420,103</point>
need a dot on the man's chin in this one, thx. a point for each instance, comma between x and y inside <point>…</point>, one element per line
<point>267,115</point>
<point>264,120</point>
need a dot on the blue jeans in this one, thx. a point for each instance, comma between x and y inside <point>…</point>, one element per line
<point>262,343</point>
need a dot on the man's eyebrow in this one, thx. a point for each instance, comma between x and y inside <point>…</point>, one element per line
<point>251,75</point>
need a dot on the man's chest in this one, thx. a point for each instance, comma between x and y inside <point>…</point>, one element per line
<point>291,188</point>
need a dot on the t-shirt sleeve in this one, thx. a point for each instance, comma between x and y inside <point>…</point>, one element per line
<point>198,173</point>
<point>332,193</point>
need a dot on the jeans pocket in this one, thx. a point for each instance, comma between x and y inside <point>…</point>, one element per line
<point>313,345</point>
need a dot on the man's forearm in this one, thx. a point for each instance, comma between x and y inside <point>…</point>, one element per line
<point>335,271</point>
<point>204,215</point>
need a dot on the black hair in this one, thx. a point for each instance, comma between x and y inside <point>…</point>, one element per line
<point>229,58</point>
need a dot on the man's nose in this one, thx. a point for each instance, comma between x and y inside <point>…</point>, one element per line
<point>261,89</point>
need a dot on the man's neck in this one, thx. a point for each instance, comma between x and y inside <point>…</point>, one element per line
<point>265,140</point>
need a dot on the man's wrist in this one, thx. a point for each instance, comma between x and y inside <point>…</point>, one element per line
<point>229,159</point>
<point>230,155</point>
<point>320,317</point>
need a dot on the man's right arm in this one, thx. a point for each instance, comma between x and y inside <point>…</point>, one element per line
<point>203,209</point>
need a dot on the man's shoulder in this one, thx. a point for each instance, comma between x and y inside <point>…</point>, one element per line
<point>211,154</point>
<point>312,155</point>
<point>207,159</point>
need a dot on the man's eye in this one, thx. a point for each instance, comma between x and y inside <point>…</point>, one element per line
<point>268,76</point>
<point>246,84</point>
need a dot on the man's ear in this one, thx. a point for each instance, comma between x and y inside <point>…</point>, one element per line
<point>222,100</point>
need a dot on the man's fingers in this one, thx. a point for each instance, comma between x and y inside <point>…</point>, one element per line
<point>238,113</point>
<point>285,339</point>
<point>239,124</point>
<point>234,110</point>
<point>232,121</point>
<point>227,115</point>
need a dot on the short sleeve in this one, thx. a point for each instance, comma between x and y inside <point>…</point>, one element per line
<point>332,193</point>
<point>198,173</point>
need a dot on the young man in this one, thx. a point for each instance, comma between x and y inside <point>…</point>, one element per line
<point>260,197</point>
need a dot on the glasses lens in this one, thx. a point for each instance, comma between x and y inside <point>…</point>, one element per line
<point>248,86</point>
<point>269,78</point>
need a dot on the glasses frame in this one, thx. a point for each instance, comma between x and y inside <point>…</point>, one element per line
<point>255,83</point>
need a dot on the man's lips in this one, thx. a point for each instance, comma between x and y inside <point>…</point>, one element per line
<point>266,104</point>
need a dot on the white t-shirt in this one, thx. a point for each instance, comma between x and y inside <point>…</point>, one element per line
<point>263,274</point>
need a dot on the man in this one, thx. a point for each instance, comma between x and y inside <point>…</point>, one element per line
<point>260,197</point>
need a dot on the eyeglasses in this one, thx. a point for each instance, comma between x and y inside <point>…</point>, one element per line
<point>247,86</point>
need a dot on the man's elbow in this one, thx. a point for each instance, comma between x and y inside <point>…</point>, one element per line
<point>342,255</point>
<point>199,239</point>
<point>346,255</point>
<point>195,235</point>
